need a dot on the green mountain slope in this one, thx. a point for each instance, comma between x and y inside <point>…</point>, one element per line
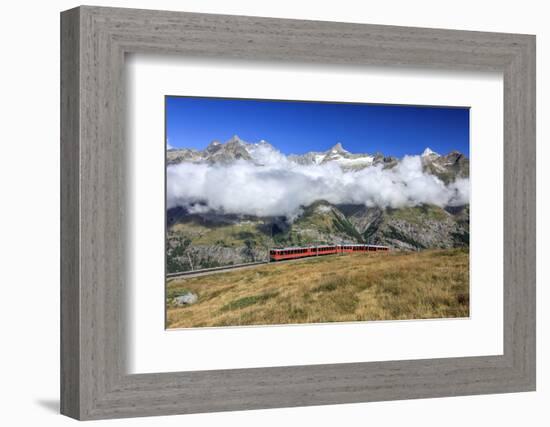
<point>210,240</point>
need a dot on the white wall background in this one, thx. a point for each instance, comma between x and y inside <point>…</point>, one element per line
<point>29,225</point>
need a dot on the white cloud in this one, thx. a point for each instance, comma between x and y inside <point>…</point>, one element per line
<point>281,187</point>
<point>265,154</point>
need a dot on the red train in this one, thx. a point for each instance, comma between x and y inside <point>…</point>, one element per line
<point>303,252</point>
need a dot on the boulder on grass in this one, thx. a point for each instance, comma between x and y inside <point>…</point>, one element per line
<point>187,298</point>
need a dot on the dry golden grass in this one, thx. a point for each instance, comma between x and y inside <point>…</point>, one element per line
<point>353,287</point>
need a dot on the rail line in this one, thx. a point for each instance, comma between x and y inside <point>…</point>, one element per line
<point>205,271</point>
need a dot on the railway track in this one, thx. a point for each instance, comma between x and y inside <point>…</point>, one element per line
<point>205,271</point>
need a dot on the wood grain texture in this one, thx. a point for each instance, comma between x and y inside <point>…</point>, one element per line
<point>94,272</point>
<point>70,297</point>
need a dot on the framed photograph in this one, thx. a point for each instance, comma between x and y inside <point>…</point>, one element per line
<point>262,213</point>
<point>332,234</point>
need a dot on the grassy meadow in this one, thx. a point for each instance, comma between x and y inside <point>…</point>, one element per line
<point>340,288</point>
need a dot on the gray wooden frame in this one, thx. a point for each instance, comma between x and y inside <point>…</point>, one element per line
<point>94,382</point>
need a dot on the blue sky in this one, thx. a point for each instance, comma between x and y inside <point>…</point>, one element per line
<point>298,127</point>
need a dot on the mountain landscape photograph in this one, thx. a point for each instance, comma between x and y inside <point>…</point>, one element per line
<point>286,212</point>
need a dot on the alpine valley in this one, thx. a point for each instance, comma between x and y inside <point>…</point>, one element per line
<point>201,235</point>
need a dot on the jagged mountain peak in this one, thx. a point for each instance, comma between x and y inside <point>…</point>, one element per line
<point>338,148</point>
<point>235,139</point>
<point>233,149</point>
<point>428,152</point>
<point>213,146</point>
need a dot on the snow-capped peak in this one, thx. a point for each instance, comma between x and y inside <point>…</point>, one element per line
<point>235,138</point>
<point>428,153</point>
<point>338,149</point>
<point>214,146</point>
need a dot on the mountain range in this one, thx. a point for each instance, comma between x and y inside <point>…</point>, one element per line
<point>446,167</point>
<point>207,239</point>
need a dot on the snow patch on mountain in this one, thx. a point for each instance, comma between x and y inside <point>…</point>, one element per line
<point>429,153</point>
<point>354,161</point>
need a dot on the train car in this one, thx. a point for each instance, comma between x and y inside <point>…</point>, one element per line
<point>298,252</point>
<point>378,248</point>
<point>291,253</point>
<point>346,249</point>
<point>361,248</point>
<point>327,250</point>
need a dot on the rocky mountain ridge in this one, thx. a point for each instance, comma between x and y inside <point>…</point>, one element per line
<point>446,167</point>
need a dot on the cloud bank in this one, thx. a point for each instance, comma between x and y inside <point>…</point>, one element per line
<point>283,188</point>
